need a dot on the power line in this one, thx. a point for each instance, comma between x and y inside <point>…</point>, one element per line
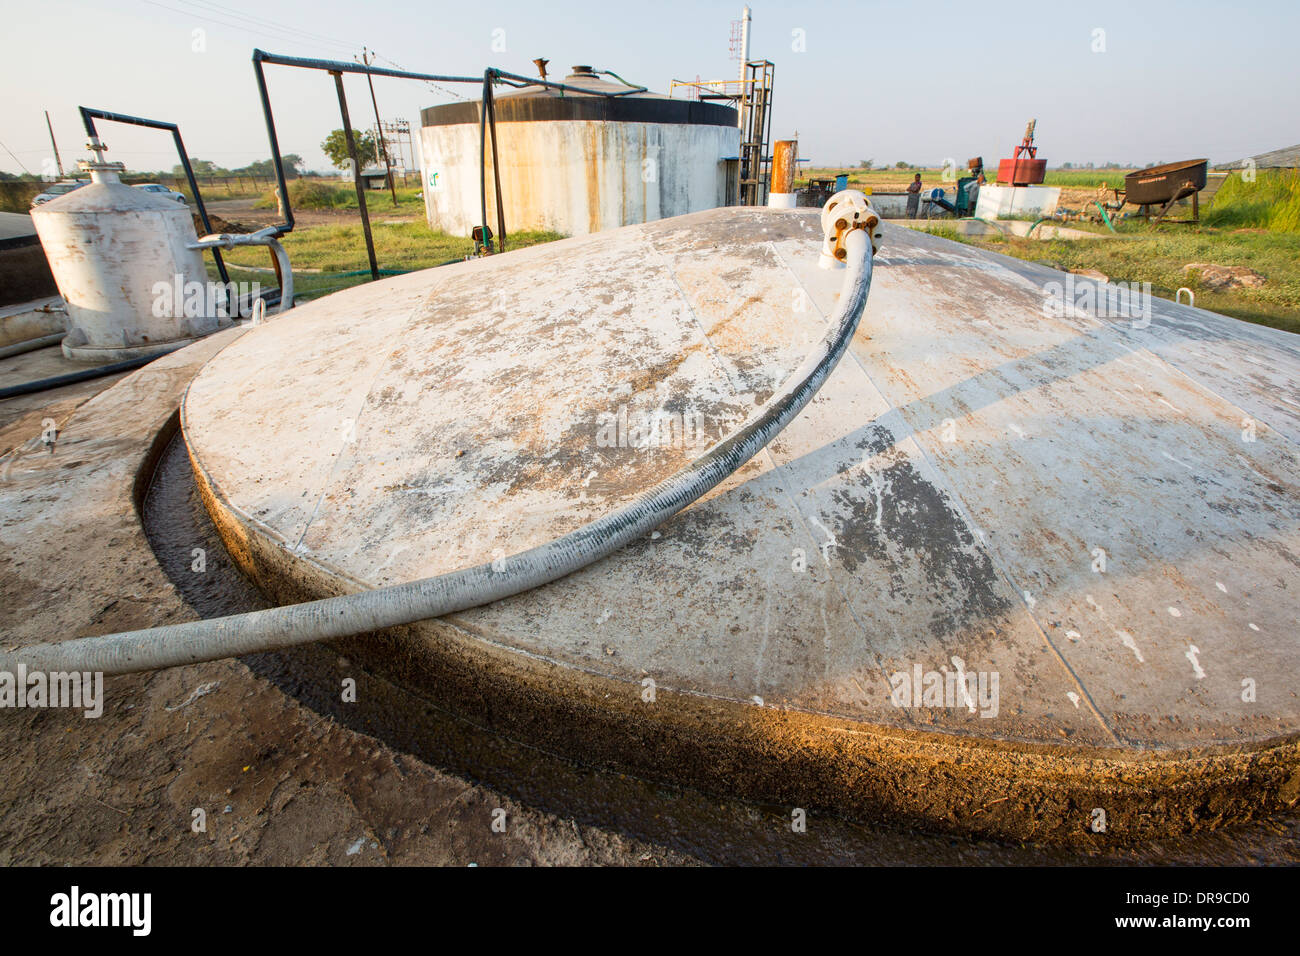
<point>266,31</point>
<point>432,86</point>
<point>17,160</point>
<point>265,22</point>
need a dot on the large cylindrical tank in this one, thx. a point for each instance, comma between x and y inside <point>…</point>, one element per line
<point>122,262</point>
<point>578,163</point>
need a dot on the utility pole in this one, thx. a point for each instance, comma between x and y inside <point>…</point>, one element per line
<point>50,127</point>
<point>379,126</point>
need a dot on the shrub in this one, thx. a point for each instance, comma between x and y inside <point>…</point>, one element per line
<point>310,194</point>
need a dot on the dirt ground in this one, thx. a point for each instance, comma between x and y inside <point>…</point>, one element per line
<point>244,212</point>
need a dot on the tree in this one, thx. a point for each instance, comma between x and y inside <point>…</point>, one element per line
<point>336,148</point>
<point>292,163</point>
<point>902,165</point>
<point>201,167</point>
<point>866,164</point>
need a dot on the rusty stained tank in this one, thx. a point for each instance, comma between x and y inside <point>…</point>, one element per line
<point>577,163</point>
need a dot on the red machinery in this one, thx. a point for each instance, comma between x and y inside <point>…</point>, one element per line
<point>1024,169</point>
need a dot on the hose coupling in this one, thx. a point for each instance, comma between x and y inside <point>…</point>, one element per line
<point>847,210</point>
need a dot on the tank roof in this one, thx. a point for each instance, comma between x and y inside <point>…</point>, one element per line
<point>599,99</point>
<point>940,505</point>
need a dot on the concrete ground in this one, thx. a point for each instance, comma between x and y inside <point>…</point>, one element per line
<point>15,225</point>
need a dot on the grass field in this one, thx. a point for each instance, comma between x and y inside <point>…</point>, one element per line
<point>325,258</point>
<point>1272,202</point>
<point>342,196</point>
<point>216,191</point>
<point>1256,225</point>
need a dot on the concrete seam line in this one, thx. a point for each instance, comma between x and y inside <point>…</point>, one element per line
<point>329,618</point>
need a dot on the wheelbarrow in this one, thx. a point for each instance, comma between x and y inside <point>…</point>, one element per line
<point>1163,186</point>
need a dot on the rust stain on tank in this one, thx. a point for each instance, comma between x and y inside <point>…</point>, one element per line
<point>593,178</point>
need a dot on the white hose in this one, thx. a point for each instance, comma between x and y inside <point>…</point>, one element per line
<point>374,610</point>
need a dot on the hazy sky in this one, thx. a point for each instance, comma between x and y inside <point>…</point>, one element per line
<point>886,81</point>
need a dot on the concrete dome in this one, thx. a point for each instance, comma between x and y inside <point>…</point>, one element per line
<point>1092,523</point>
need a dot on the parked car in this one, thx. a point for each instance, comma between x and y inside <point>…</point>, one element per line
<point>59,189</point>
<point>162,190</point>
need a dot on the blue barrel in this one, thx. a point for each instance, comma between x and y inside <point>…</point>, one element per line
<point>841,182</point>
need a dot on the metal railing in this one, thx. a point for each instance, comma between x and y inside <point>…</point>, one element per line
<point>487,125</point>
<point>88,117</point>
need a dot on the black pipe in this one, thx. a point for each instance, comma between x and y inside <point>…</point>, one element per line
<point>633,88</point>
<point>533,81</point>
<point>88,117</point>
<point>287,225</point>
<point>356,176</point>
<point>496,172</point>
<point>482,153</point>
<point>85,375</point>
<point>340,66</point>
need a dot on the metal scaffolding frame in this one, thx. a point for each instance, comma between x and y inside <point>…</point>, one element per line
<point>756,132</point>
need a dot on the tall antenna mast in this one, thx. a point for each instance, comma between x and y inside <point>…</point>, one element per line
<point>744,42</point>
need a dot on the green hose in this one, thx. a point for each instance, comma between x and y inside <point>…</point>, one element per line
<point>1102,210</point>
<point>366,272</point>
<point>619,78</point>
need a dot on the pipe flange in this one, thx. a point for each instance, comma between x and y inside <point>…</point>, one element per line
<point>847,210</point>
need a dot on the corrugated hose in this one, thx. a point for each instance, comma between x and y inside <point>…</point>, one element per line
<point>366,611</point>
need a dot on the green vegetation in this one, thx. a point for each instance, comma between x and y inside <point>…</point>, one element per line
<point>947,232</point>
<point>310,194</point>
<point>1271,202</point>
<point>341,194</point>
<point>336,148</point>
<point>321,255</point>
<point>1250,224</point>
<point>1084,178</point>
<point>263,168</point>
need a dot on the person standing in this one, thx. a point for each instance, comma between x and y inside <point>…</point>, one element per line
<point>913,196</point>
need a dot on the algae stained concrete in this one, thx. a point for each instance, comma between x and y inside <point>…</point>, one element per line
<point>952,488</point>
<point>1098,511</point>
